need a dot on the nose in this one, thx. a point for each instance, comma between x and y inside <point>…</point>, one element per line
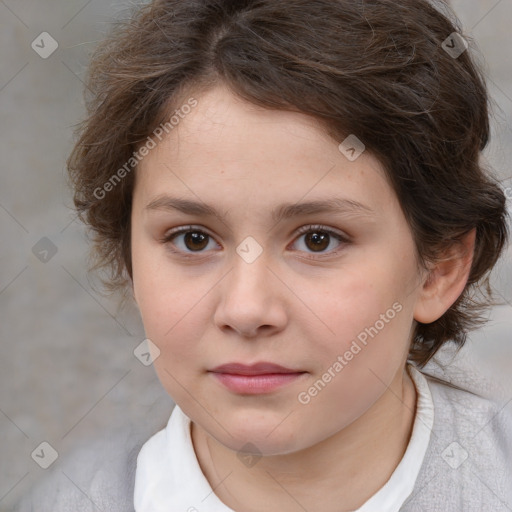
<point>252,300</point>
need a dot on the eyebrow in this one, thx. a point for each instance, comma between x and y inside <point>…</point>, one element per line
<point>333,205</point>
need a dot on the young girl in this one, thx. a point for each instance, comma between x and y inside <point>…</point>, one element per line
<point>293,194</point>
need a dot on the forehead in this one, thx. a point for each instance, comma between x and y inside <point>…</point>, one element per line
<point>227,149</point>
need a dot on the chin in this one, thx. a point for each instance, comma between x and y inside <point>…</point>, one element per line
<point>262,445</point>
<point>265,437</point>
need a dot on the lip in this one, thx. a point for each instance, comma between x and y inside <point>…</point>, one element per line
<point>258,378</point>
<point>261,368</point>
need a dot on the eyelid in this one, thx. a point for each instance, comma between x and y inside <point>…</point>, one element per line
<point>323,228</point>
<point>300,231</point>
<point>183,229</point>
<point>342,238</point>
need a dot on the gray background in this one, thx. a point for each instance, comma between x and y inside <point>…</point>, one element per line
<point>67,369</point>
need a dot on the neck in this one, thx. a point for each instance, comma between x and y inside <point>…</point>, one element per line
<point>366,454</point>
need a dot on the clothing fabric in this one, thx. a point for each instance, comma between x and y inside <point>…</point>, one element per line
<point>467,465</point>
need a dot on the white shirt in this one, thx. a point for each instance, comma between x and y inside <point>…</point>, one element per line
<point>169,479</point>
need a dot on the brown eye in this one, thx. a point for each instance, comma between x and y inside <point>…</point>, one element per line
<point>195,240</point>
<point>317,240</point>
<point>187,240</point>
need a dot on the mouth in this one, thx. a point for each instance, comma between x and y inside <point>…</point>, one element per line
<point>255,379</point>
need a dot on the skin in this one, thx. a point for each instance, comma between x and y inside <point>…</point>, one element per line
<point>293,306</point>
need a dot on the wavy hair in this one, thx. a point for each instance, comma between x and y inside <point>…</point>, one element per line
<point>375,68</point>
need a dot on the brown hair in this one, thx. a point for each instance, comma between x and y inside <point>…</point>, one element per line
<point>374,68</point>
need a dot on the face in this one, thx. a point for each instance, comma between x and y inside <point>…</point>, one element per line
<point>327,294</point>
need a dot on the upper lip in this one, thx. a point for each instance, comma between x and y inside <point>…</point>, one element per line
<point>253,369</point>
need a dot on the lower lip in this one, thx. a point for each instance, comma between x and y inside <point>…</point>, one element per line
<point>256,384</point>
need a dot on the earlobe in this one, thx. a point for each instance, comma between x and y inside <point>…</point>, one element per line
<point>445,281</point>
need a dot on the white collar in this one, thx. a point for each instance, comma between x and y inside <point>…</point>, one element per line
<point>169,478</point>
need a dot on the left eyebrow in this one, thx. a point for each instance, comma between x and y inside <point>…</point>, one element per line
<point>333,205</point>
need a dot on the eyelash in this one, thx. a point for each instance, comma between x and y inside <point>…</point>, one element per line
<point>167,239</point>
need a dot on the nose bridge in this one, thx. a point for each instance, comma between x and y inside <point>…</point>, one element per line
<point>250,268</point>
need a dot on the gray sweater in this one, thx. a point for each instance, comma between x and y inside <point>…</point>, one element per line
<point>467,467</point>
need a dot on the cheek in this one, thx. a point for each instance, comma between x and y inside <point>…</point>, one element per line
<point>356,300</point>
<point>359,361</point>
<point>369,324</point>
<point>170,317</point>
<point>163,298</point>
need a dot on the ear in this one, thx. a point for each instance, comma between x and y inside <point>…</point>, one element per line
<point>445,281</point>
